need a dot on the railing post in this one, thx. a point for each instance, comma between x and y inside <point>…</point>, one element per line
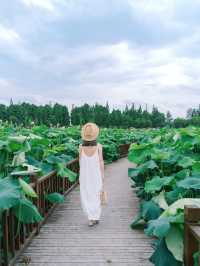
<point>123,150</point>
<point>1,250</point>
<point>5,238</point>
<point>11,233</point>
<point>192,215</point>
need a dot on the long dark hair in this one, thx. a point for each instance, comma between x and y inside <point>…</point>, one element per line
<point>89,143</point>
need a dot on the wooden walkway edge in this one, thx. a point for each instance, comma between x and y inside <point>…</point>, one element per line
<point>67,240</point>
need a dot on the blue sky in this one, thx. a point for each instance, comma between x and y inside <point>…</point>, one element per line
<point>120,51</point>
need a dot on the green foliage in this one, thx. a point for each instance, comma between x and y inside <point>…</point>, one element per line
<point>179,205</point>
<point>9,193</point>
<point>174,242</point>
<point>158,228</point>
<point>38,151</point>
<point>162,256</point>
<point>190,182</point>
<point>160,200</point>
<point>196,259</point>
<point>28,190</point>
<point>157,183</point>
<point>55,197</point>
<point>139,153</point>
<point>150,210</point>
<point>65,172</point>
<point>172,183</point>
<point>27,212</point>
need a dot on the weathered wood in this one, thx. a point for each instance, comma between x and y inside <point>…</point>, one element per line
<point>192,214</point>
<point>66,238</point>
<point>11,235</point>
<point>123,150</point>
<point>191,233</point>
<point>5,237</point>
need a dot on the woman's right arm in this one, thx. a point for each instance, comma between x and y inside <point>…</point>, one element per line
<point>79,154</point>
<point>101,163</point>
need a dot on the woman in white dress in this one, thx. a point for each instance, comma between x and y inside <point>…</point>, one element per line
<point>91,176</point>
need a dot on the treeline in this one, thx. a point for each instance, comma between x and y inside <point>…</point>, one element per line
<point>26,113</point>
<point>58,115</point>
<point>130,117</point>
<point>192,119</point>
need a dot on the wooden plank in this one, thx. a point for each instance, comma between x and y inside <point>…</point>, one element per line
<point>66,238</point>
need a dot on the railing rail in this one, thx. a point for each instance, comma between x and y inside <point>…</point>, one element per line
<point>14,241</point>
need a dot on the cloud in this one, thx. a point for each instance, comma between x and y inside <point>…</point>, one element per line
<point>152,7</point>
<point>48,5</point>
<point>13,46</point>
<point>122,51</point>
<point>8,35</point>
<point>119,73</point>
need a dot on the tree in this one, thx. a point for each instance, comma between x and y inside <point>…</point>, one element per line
<point>115,118</point>
<point>3,112</point>
<point>169,118</point>
<point>180,122</point>
<point>157,118</point>
<point>75,116</point>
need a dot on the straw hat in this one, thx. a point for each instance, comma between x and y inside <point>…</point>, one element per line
<point>90,131</point>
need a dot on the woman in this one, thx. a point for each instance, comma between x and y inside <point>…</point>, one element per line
<point>91,177</point>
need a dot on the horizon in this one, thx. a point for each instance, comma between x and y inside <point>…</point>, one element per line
<point>121,51</point>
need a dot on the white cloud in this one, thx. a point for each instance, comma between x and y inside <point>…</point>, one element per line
<point>4,83</point>
<point>8,35</point>
<point>76,9</point>
<point>88,60</point>
<point>153,7</point>
<point>44,4</point>
<point>123,72</point>
<point>119,73</point>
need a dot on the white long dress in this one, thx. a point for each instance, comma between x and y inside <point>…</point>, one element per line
<point>90,184</point>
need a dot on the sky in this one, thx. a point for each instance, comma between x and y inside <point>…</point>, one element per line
<point>120,51</point>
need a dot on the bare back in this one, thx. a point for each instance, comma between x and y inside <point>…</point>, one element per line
<point>90,150</point>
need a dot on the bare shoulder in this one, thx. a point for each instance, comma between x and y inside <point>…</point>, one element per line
<point>100,147</point>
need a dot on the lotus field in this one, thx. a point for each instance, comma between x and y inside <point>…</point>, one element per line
<point>166,174</point>
<point>38,151</point>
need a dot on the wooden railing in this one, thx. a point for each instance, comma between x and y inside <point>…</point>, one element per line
<point>15,239</point>
<point>191,234</point>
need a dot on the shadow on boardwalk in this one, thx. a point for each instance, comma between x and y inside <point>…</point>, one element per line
<point>66,238</point>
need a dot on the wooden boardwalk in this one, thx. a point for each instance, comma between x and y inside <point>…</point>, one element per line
<point>66,238</point>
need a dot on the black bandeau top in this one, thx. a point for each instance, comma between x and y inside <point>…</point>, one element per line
<point>89,143</point>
